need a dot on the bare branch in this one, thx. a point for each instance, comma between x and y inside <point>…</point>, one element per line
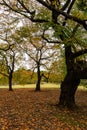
<point>51,41</point>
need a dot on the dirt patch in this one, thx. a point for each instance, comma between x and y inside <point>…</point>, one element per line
<point>24,109</point>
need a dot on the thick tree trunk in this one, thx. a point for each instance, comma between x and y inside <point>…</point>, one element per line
<point>70,83</point>
<point>68,89</point>
<point>10,82</point>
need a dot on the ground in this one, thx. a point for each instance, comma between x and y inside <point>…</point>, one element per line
<point>25,109</point>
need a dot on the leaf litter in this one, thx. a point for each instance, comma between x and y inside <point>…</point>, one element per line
<point>25,109</point>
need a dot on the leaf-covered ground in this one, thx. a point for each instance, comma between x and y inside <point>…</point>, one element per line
<point>25,109</point>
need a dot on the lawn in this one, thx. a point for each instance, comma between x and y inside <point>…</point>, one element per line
<point>25,109</point>
<point>43,86</point>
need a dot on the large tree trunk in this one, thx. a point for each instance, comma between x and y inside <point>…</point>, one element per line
<point>75,72</point>
<point>68,89</point>
<point>70,83</point>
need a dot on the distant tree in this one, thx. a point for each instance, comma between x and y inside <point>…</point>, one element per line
<point>9,54</point>
<point>7,65</point>
<point>40,53</point>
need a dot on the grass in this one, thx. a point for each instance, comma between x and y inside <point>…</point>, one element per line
<point>43,86</point>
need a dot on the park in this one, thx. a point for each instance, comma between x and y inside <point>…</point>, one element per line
<point>43,64</point>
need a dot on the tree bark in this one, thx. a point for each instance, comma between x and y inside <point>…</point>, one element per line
<point>75,72</point>
<point>70,83</point>
<point>68,89</point>
<point>10,82</point>
<point>38,84</point>
<point>38,78</point>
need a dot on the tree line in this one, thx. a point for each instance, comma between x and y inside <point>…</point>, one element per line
<point>23,77</point>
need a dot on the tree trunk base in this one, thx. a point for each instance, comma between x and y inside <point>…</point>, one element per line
<point>68,89</point>
<point>10,89</point>
<point>37,89</point>
<point>68,106</point>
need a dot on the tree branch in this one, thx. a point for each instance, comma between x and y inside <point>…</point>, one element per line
<point>47,5</point>
<point>68,11</point>
<point>6,49</point>
<point>24,13</point>
<point>50,41</point>
<point>3,74</point>
<point>65,5</point>
<point>79,53</point>
<point>76,19</point>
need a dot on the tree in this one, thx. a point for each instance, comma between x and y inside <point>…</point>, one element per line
<point>8,49</point>
<point>67,21</point>
<point>40,53</point>
<point>7,65</point>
